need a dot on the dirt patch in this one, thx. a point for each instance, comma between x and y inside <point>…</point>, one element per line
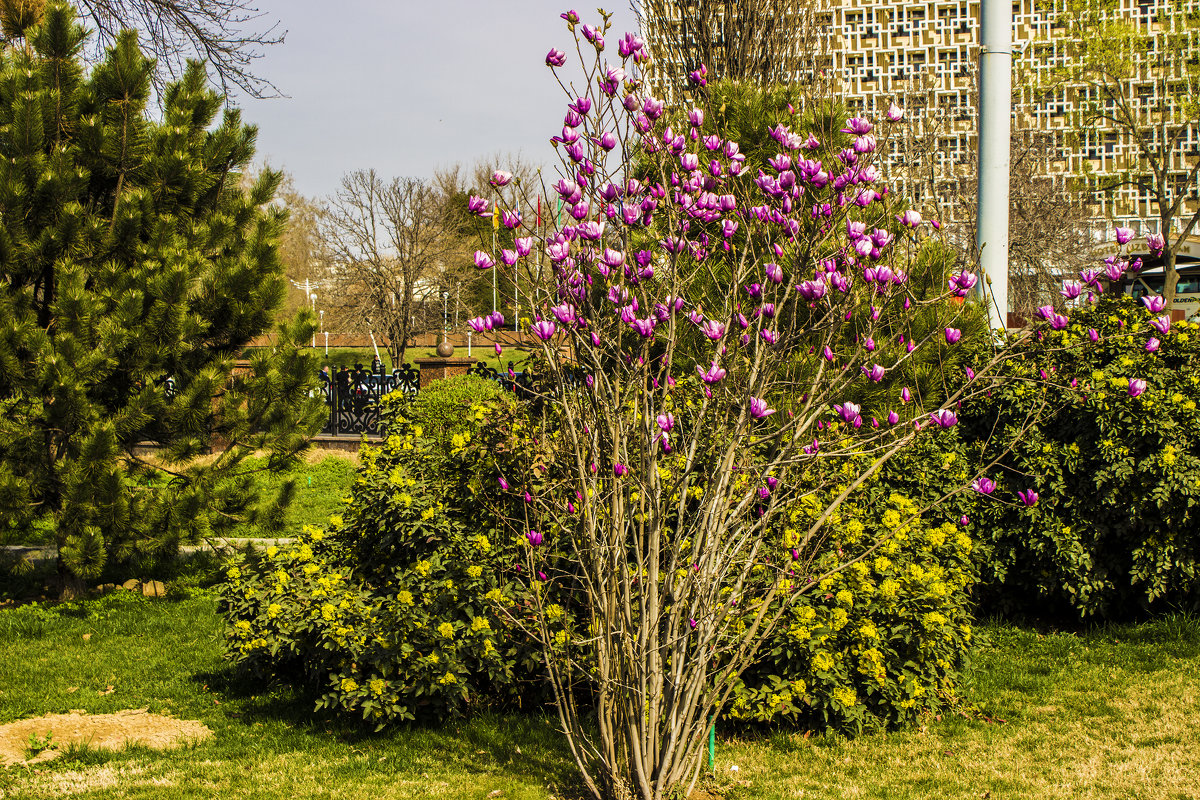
<point>100,731</point>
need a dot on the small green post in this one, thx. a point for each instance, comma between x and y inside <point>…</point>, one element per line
<point>712,744</point>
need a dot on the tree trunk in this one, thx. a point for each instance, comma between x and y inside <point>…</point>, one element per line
<point>1170,277</point>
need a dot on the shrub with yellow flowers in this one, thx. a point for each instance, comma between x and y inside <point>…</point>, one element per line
<point>877,643</point>
<point>404,606</point>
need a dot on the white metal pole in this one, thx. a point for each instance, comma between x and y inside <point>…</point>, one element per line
<point>995,113</point>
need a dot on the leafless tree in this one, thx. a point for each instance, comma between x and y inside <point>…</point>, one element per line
<point>229,35</point>
<point>760,41</point>
<point>1132,81</point>
<point>1051,225</point>
<point>1051,228</point>
<point>391,255</point>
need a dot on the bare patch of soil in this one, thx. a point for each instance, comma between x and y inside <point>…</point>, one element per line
<point>100,731</point>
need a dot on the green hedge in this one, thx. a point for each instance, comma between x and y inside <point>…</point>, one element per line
<point>1116,529</point>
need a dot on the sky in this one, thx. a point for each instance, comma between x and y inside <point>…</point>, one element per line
<point>408,86</point>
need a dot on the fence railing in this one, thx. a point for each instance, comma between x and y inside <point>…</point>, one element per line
<point>352,397</point>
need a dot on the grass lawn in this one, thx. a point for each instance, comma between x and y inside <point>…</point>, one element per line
<point>321,481</point>
<point>349,356</point>
<point>1108,714</point>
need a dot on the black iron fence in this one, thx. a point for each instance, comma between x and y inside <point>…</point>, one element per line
<point>352,395</point>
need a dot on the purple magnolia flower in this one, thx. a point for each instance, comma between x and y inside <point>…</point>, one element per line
<point>910,218</point>
<point>619,469</point>
<point>1136,387</point>
<point>645,327</point>
<point>1124,235</point>
<point>476,205</point>
<point>893,418</point>
<point>811,290</point>
<point>1161,324</point>
<point>692,623</point>
<point>699,77</point>
<point>544,329</point>
<point>1152,345</point>
<point>572,16</point>
<point>1071,290</point>
<point>1059,322</point>
<point>714,374</point>
<point>774,272</point>
<point>666,422</point>
<point>1155,243</point>
<point>712,329</point>
<point>944,417</point>
<point>827,353</point>
<point>848,411</point>
<point>758,408</point>
<point>483,260</point>
<point>511,219</point>
<point>857,126</point>
<point>501,178</point>
<point>535,538</point>
<point>769,336</point>
<point>555,58</point>
<point>1154,303</point>
<point>876,373</point>
<point>1029,497</point>
<point>964,520</point>
<point>1093,335</point>
<point>503,483</point>
<point>963,282</point>
<point>905,395</point>
<point>895,113</point>
<point>984,485</point>
<point>953,335</point>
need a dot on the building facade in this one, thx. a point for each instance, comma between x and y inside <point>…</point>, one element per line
<point>923,55</point>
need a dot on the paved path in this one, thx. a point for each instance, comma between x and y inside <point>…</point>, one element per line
<point>48,553</point>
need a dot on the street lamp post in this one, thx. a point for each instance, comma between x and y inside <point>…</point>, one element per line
<point>322,315</point>
<point>313,299</point>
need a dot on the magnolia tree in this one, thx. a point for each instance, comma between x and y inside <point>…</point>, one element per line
<point>706,326</point>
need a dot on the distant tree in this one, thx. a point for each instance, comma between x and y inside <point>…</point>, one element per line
<point>133,270</point>
<point>1051,227</point>
<point>764,42</point>
<point>229,35</point>
<point>524,193</point>
<point>300,247</point>
<point>391,252</point>
<point>1138,79</point>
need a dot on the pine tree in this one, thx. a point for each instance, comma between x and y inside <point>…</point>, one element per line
<point>133,271</point>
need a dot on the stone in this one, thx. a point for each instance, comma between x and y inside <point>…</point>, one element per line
<point>154,589</point>
<point>132,585</point>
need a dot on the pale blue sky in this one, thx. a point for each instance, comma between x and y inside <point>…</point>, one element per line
<point>408,86</point>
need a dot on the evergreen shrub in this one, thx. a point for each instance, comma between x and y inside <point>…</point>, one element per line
<point>1116,528</point>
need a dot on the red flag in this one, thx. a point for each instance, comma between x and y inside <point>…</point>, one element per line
<point>539,211</point>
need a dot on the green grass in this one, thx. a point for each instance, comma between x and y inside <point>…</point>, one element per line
<point>1106,714</point>
<point>349,356</point>
<point>320,487</point>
